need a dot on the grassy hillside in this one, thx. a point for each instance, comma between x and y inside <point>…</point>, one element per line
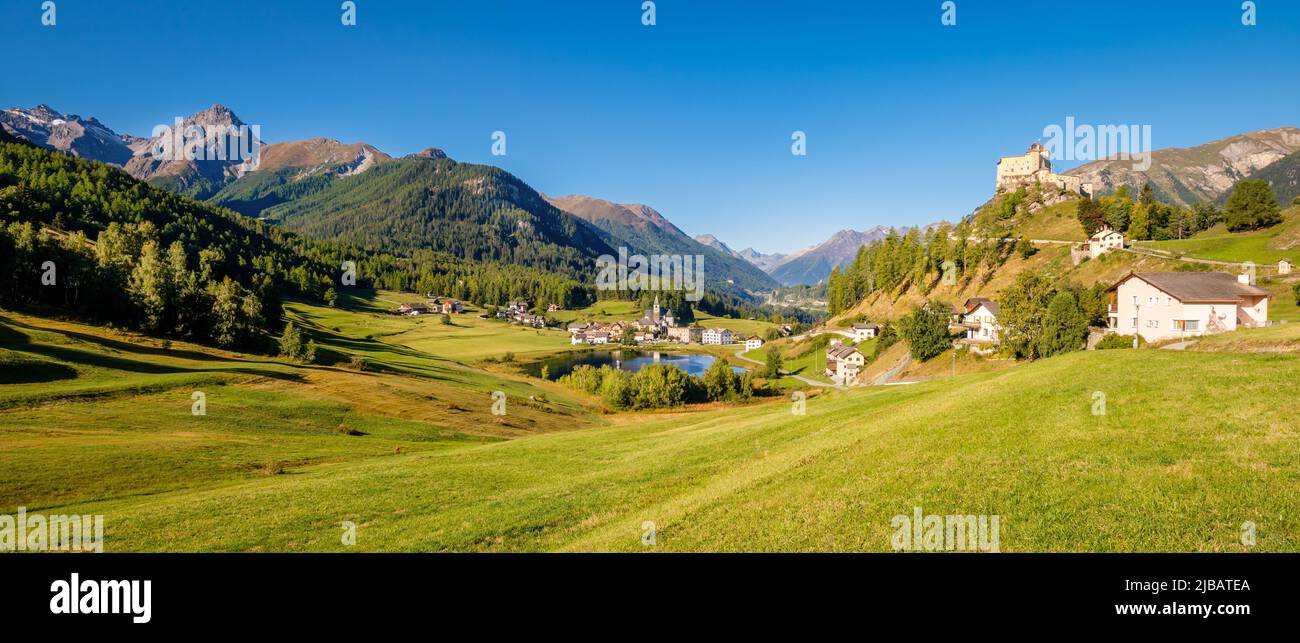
<point>1263,247</point>
<point>1167,468</point>
<point>1051,259</point>
<point>89,413</point>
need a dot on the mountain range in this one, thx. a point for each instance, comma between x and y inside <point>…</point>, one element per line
<point>1186,175</point>
<point>356,193</point>
<point>648,232</point>
<point>810,265</point>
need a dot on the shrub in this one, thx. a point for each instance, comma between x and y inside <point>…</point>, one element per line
<point>1295,290</point>
<point>1113,341</point>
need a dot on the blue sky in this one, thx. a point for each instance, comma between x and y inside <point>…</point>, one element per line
<point>905,118</point>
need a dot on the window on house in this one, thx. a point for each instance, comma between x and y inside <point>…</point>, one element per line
<point>1135,322</point>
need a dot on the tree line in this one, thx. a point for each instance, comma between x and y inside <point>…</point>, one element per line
<point>660,385</point>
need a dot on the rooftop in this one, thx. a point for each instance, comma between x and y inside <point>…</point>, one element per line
<point>1198,286</point>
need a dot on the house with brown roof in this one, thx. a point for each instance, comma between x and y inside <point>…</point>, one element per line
<point>1172,305</point>
<point>864,331</point>
<point>414,308</point>
<point>843,363</point>
<point>979,320</point>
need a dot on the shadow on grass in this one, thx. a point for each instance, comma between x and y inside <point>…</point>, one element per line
<point>19,342</point>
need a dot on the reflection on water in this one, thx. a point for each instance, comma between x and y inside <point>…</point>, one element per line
<point>627,360</point>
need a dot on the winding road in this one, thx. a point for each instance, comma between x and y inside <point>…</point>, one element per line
<point>798,377</point>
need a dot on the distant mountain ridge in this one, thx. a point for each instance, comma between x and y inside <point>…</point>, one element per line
<point>814,265</point>
<point>810,265</point>
<point>278,164</point>
<point>1201,173</point>
<point>86,138</point>
<point>1283,176</point>
<point>649,232</point>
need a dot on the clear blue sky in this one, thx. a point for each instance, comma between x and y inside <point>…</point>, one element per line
<point>905,118</point>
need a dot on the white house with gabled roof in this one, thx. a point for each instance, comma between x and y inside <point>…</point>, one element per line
<point>1173,305</point>
<point>1103,241</point>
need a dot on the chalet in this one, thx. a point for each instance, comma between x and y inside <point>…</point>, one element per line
<point>715,336</point>
<point>980,320</point>
<point>414,308</point>
<point>865,331</point>
<point>1284,267</point>
<point>1103,241</point>
<point>1172,305</point>
<point>449,306</point>
<point>843,363</point>
<point>753,342</point>
<point>550,308</point>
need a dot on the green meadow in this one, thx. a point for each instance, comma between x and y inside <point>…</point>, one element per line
<point>1263,247</point>
<point>1189,447</point>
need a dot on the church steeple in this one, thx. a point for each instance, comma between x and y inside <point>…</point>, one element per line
<point>656,309</point>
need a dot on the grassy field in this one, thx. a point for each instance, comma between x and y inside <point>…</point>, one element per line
<point>466,340</point>
<point>1166,468</point>
<point>1261,246</point>
<point>1191,445</point>
<point>1282,338</point>
<point>89,413</point>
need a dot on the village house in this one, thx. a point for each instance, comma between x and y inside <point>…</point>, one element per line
<point>843,363</point>
<point>1173,305</point>
<point>551,308</point>
<point>980,320</point>
<point>447,306</point>
<point>686,334</point>
<point>1102,241</point>
<point>596,333</point>
<point>414,308</point>
<point>716,336</point>
<point>1284,267</point>
<point>753,342</point>
<point>862,331</point>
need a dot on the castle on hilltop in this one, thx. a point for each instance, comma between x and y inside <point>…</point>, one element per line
<point>1035,166</point>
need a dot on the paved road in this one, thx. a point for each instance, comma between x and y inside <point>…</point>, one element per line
<point>798,377</point>
<point>893,372</point>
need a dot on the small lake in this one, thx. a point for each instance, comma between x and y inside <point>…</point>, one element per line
<point>627,360</point>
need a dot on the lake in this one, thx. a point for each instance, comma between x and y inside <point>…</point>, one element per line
<point>624,359</point>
